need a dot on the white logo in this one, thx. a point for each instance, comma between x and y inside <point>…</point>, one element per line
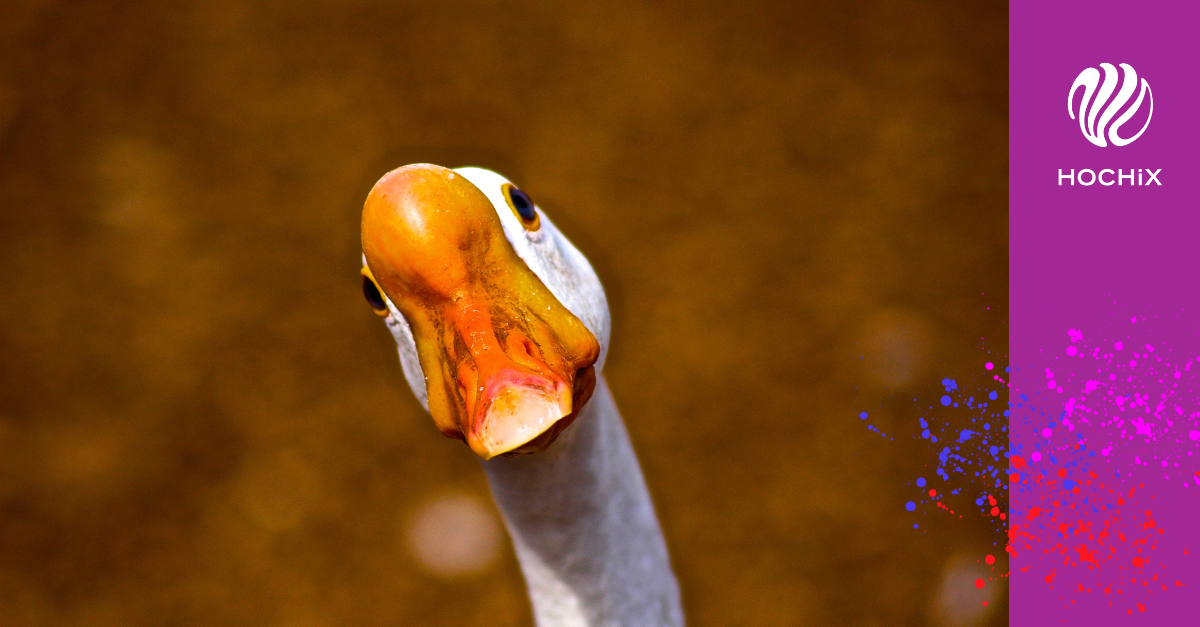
<point>1095,117</point>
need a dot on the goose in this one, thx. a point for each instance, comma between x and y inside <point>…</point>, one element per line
<point>502,328</point>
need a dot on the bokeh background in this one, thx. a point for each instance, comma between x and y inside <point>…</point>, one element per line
<point>799,211</point>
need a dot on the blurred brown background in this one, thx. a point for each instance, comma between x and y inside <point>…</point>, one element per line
<point>799,211</point>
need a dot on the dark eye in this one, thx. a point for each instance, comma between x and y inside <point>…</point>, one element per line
<point>522,206</point>
<point>374,297</point>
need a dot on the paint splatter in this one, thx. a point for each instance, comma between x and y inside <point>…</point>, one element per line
<point>968,434</point>
<point>1105,437</point>
<point>964,427</point>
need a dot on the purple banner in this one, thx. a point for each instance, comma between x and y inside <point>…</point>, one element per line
<point>1104,513</point>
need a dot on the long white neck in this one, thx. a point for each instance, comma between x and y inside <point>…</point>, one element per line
<point>584,528</point>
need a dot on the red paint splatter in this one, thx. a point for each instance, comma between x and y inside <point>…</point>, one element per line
<point>1050,578</point>
<point>932,493</point>
<point>1062,472</point>
<point>991,559</point>
<point>1034,512</point>
<point>1017,461</point>
<point>978,583</point>
<point>1085,555</point>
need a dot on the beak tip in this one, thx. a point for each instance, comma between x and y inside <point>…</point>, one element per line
<point>515,417</point>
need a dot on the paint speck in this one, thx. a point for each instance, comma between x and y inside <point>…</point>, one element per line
<point>992,395</point>
<point>1194,435</point>
<point>863,415</point>
<point>1046,432</point>
<point>1072,351</point>
<point>960,596</point>
<point>991,559</point>
<point>932,493</point>
<point>1036,456</point>
<point>910,506</point>
<point>946,401</point>
<point>1118,346</point>
<point>988,365</point>
<point>921,482</point>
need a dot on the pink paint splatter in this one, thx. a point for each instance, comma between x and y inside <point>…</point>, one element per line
<point>1087,521</point>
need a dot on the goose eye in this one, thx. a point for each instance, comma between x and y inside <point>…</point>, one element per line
<point>374,296</point>
<point>522,206</point>
<point>522,203</point>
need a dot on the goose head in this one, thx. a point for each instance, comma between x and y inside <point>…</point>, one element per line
<point>501,324</point>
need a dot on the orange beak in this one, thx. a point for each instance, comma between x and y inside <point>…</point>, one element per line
<point>507,367</point>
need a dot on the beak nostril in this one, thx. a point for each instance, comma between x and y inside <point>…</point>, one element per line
<point>526,353</point>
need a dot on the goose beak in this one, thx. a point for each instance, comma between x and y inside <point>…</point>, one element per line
<point>511,398</point>
<point>507,367</point>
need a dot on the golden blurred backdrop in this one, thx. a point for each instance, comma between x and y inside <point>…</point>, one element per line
<point>799,211</point>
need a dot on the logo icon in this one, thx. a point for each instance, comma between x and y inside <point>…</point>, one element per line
<point>1096,111</point>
